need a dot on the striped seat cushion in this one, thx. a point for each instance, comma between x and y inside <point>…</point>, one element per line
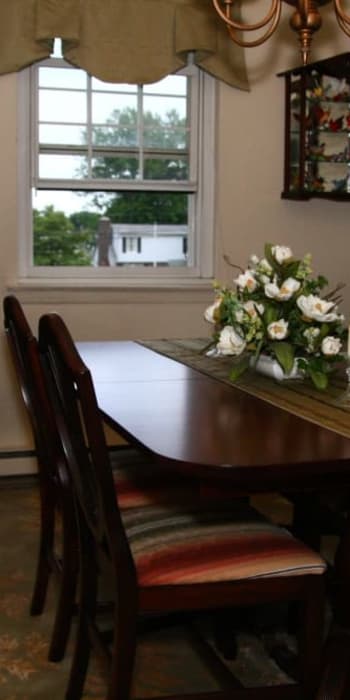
<point>140,482</point>
<point>179,546</point>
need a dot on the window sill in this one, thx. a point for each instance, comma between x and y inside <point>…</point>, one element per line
<point>96,291</point>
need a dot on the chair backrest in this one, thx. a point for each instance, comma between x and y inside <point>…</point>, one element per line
<point>26,359</point>
<point>83,440</point>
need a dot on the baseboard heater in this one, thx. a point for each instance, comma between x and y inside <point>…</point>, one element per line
<point>14,462</point>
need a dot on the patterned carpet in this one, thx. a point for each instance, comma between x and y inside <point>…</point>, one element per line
<point>166,663</point>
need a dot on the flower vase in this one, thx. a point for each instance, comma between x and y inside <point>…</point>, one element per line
<point>271,368</point>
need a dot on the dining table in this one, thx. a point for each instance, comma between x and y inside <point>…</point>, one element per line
<point>254,435</point>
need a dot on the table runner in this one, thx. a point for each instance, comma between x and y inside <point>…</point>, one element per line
<point>330,408</point>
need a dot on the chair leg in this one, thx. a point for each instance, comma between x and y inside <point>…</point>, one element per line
<point>80,661</point>
<point>124,650</point>
<point>311,639</point>
<point>44,566</point>
<point>340,598</point>
<point>68,586</point>
<point>87,603</point>
<point>335,682</point>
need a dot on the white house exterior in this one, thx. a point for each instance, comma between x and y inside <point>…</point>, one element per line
<point>146,244</point>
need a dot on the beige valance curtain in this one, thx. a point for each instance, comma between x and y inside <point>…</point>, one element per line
<point>135,41</point>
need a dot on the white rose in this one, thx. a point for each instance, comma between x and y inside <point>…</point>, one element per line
<point>210,313</point>
<point>331,345</point>
<point>278,329</point>
<point>271,290</point>
<point>283,293</point>
<point>317,309</point>
<point>246,280</point>
<point>252,308</point>
<point>281,253</point>
<point>230,342</point>
<point>288,288</point>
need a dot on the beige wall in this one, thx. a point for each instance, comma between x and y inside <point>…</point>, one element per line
<point>249,211</point>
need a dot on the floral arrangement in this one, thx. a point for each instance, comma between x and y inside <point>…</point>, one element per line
<point>278,309</point>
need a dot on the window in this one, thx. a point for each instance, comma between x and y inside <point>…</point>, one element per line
<point>131,244</point>
<point>121,175</point>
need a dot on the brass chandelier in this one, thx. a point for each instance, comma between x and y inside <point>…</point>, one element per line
<point>305,20</point>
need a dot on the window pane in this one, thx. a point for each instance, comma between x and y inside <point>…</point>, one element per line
<point>124,229</point>
<point>164,137</point>
<point>122,135</point>
<point>106,108</point>
<point>62,134</point>
<point>164,106</point>
<point>171,85</point>
<point>62,78</point>
<point>116,167</point>
<point>162,168</point>
<point>62,167</point>
<point>62,106</point>
<point>113,87</point>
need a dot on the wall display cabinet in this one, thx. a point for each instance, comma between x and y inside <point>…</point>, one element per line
<point>317,130</point>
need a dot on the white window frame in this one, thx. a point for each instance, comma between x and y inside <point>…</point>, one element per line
<point>201,251</point>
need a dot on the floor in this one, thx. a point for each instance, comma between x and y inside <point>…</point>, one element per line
<point>168,662</point>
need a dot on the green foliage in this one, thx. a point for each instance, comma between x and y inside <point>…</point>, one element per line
<point>60,240</point>
<point>284,353</point>
<point>148,208</point>
<point>239,368</point>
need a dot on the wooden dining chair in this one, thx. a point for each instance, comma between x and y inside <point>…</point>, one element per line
<point>137,478</point>
<point>165,560</point>
<point>57,553</point>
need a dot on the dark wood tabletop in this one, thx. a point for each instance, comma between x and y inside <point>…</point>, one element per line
<point>198,424</point>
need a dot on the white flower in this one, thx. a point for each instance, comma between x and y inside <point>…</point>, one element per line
<point>210,313</point>
<point>230,342</point>
<point>254,260</point>
<point>252,308</point>
<point>317,309</point>
<point>331,345</point>
<point>265,267</point>
<point>271,290</point>
<point>283,293</point>
<point>281,253</point>
<point>246,280</point>
<point>278,329</point>
<point>311,334</point>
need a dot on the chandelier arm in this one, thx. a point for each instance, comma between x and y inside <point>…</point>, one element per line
<point>275,10</point>
<point>256,42</point>
<point>342,18</point>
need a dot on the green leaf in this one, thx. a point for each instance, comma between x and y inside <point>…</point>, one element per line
<point>270,258</point>
<point>292,268</point>
<point>319,379</point>
<point>284,353</point>
<point>271,313</point>
<point>239,368</point>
